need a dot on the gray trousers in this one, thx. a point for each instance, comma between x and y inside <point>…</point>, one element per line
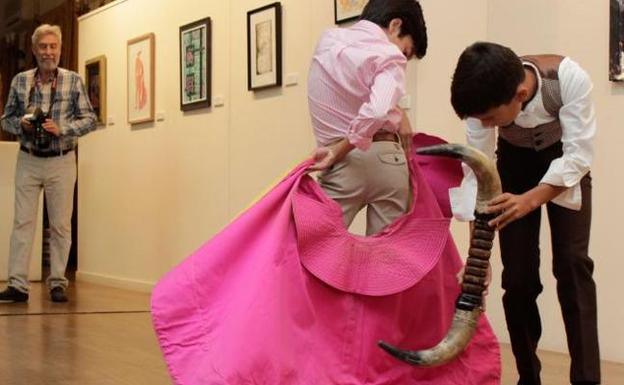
<point>57,177</point>
<point>377,179</point>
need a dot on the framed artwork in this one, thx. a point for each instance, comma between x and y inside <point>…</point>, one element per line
<point>141,79</point>
<point>348,10</point>
<point>616,41</point>
<point>264,47</point>
<point>195,66</point>
<point>95,83</point>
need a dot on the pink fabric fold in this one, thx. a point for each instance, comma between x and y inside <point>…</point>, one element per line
<point>383,264</point>
<point>285,295</point>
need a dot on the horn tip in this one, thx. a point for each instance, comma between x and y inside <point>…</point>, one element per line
<point>402,355</point>
<point>449,150</point>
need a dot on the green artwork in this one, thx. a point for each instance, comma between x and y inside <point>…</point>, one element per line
<point>194,65</point>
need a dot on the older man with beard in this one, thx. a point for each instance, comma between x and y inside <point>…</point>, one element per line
<point>47,109</point>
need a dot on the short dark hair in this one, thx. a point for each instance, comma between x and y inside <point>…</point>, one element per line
<point>381,12</point>
<point>487,75</point>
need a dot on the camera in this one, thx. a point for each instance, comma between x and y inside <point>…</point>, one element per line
<point>42,137</point>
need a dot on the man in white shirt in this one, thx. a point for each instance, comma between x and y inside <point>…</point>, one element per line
<point>540,106</point>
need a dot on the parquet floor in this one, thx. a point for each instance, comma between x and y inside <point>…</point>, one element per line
<point>104,336</point>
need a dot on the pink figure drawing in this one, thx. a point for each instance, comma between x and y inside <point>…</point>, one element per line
<point>140,95</point>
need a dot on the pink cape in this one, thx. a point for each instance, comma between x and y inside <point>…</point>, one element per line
<point>284,295</point>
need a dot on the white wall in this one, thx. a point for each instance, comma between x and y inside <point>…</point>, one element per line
<point>150,195</point>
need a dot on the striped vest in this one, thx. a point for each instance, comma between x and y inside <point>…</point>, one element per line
<point>543,135</point>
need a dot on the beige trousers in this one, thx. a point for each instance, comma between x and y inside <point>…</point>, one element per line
<point>57,177</point>
<point>377,179</point>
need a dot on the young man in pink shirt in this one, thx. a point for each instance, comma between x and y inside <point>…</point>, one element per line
<point>356,80</point>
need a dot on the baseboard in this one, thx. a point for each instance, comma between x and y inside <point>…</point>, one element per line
<point>117,282</point>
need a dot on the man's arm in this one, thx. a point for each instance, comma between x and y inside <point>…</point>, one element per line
<point>512,207</point>
<point>381,110</point>
<point>13,113</point>
<point>84,119</point>
<point>578,124</point>
<point>326,156</point>
<point>405,132</point>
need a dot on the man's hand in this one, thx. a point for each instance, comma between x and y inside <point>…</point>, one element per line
<point>51,127</point>
<point>513,207</point>
<point>325,157</point>
<point>26,124</point>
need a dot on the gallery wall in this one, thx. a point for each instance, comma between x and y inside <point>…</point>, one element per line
<point>152,193</point>
<point>149,194</point>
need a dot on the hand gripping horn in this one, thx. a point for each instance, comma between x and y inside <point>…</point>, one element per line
<point>468,305</point>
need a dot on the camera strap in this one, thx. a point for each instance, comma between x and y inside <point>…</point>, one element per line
<point>38,84</point>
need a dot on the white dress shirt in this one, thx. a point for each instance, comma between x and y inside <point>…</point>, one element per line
<point>578,123</point>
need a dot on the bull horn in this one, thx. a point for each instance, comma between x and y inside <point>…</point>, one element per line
<point>468,305</point>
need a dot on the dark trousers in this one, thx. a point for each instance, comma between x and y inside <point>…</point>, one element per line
<point>522,169</point>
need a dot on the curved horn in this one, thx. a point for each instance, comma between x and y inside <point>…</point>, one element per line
<point>468,306</point>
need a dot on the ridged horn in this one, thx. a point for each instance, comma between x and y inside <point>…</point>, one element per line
<point>468,305</point>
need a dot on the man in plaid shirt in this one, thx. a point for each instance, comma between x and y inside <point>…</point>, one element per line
<point>48,109</point>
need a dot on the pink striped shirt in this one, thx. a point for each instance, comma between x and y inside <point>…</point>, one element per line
<point>356,80</point>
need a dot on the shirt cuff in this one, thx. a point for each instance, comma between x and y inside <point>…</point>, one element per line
<point>461,207</point>
<point>570,198</point>
<point>360,142</point>
<point>463,199</point>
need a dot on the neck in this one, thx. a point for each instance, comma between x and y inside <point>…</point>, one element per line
<point>530,82</point>
<point>45,75</point>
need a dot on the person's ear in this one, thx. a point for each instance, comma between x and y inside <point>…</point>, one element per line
<point>394,28</point>
<point>522,94</point>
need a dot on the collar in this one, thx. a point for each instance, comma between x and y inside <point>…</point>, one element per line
<point>371,28</point>
<point>52,79</point>
<point>538,82</point>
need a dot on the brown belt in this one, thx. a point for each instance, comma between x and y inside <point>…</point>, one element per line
<point>385,136</point>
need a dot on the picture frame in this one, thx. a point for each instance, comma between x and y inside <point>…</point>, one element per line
<point>616,41</point>
<point>140,66</point>
<point>348,10</point>
<point>264,47</point>
<point>95,84</point>
<point>195,64</point>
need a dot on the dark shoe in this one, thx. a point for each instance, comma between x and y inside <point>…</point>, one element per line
<point>11,294</point>
<point>58,294</point>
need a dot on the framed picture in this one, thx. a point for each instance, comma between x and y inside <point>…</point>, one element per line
<point>264,47</point>
<point>141,79</point>
<point>348,10</point>
<point>195,68</point>
<point>95,83</point>
<point>616,41</point>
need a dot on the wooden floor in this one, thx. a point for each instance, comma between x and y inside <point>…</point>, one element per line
<point>104,336</point>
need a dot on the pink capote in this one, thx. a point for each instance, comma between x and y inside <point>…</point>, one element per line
<point>285,295</point>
